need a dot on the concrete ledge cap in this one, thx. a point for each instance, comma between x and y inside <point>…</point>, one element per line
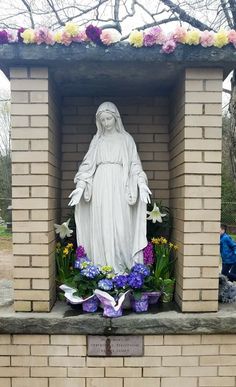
<point>64,320</point>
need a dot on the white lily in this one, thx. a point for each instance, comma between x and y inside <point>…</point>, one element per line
<point>63,229</point>
<point>155,215</point>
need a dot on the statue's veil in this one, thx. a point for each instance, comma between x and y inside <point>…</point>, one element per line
<point>111,108</point>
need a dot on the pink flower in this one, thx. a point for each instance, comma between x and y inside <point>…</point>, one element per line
<point>168,46</point>
<point>80,37</point>
<point>106,38</point>
<point>43,35</point>
<point>66,38</point>
<point>179,35</point>
<point>207,38</point>
<point>149,39</point>
<point>232,37</point>
<point>156,34</point>
<point>12,36</point>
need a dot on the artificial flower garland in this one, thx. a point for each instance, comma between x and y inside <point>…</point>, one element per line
<point>105,37</point>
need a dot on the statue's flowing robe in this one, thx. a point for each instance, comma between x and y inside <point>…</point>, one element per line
<point>110,217</point>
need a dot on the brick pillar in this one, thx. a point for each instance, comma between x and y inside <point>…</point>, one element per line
<point>34,187</point>
<point>195,179</point>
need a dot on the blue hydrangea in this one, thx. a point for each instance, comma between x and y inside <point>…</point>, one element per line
<point>105,284</point>
<point>90,271</point>
<point>82,263</point>
<point>141,269</point>
<point>120,281</point>
<point>135,280</point>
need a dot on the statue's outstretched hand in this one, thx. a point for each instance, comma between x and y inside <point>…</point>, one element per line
<point>144,193</point>
<point>75,196</point>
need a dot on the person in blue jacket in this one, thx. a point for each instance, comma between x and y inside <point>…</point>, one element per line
<point>228,254</point>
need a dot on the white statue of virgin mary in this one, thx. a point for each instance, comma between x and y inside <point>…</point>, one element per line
<point>111,195</point>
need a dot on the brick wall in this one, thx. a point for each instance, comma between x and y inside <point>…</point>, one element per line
<point>195,168</point>
<point>35,182</point>
<point>146,119</point>
<point>60,361</point>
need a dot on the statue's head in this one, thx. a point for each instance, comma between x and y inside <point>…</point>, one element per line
<point>108,116</point>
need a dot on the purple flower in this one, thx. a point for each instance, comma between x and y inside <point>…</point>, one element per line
<point>120,281</point>
<point>3,37</point>
<point>135,280</point>
<point>141,269</point>
<point>90,271</point>
<point>149,39</point>
<point>80,252</point>
<point>105,284</point>
<point>19,32</point>
<point>94,33</point>
<point>148,257</point>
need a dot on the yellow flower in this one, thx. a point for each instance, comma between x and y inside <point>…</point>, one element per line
<point>176,247</point>
<point>192,37</point>
<point>69,246</point>
<point>163,241</point>
<point>171,245</point>
<point>155,241</point>
<point>58,36</point>
<point>221,39</point>
<point>71,28</point>
<point>65,251</point>
<point>136,38</point>
<point>28,36</point>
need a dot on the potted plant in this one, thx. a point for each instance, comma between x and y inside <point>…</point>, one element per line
<point>163,267</point>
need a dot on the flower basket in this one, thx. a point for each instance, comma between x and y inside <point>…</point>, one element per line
<point>140,305</point>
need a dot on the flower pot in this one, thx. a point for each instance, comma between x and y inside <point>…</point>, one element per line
<point>140,305</point>
<point>90,305</point>
<point>109,311</point>
<point>168,291</point>
<point>153,297</point>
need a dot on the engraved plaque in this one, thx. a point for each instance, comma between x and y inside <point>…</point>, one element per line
<point>115,345</point>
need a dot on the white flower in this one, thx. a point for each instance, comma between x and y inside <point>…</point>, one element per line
<point>63,229</point>
<point>155,214</point>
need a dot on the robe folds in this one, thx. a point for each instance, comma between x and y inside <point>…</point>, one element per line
<point>110,217</point>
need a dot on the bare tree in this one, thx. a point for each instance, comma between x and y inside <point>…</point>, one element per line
<point>125,15</point>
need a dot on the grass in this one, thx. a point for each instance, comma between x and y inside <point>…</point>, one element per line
<point>5,233</point>
<point>5,239</point>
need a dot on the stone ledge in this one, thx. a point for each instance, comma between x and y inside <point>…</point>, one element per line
<point>64,320</point>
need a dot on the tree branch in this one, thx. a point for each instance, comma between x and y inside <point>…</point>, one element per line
<point>149,25</point>
<point>184,16</point>
<point>233,11</point>
<point>226,12</point>
<point>27,6</point>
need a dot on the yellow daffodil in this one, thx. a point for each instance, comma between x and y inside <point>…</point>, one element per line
<point>69,246</point>
<point>136,38</point>
<point>175,247</point>
<point>28,36</point>
<point>155,215</point>
<point>192,37</point>
<point>171,245</point>
<point>221,39</point>
<point>65,251</point>
<point>71,28</point>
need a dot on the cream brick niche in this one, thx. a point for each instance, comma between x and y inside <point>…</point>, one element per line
<point>179,142</point>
